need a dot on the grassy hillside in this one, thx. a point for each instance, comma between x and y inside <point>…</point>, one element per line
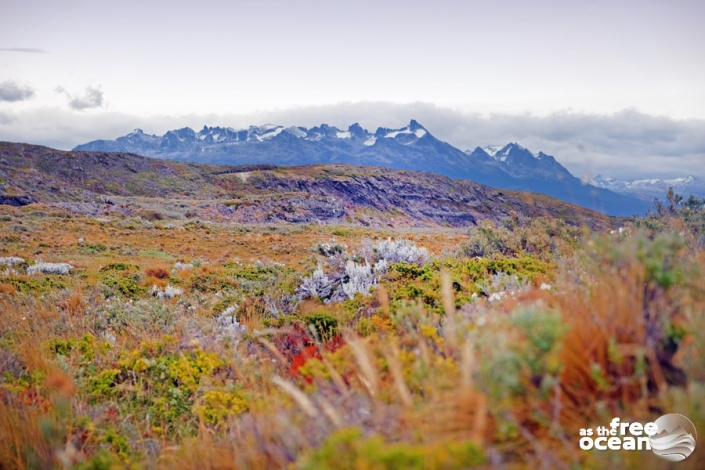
<point>130,342</point>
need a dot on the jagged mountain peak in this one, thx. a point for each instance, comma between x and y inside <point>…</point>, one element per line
<point>357,131</point>
<point>414,125</point>
<point>500,153</point>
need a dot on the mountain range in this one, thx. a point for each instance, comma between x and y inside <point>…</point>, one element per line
<point>412,147</point>
<point>648,189</point>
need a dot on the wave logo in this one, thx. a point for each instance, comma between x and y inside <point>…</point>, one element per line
<point>675,439</point>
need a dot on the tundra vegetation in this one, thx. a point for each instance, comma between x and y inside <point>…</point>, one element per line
<point>140,342</point>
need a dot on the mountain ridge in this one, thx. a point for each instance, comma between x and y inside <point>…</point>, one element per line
<point>411,147</point>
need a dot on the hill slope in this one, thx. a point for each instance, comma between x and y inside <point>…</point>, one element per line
<point>261,193</point>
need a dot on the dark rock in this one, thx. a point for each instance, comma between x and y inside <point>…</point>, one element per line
<point>17,201</point>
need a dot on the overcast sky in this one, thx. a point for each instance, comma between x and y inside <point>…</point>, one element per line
<point>605,86</point>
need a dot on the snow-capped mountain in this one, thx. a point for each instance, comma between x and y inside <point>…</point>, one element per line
<point>412,147</point>
<point>648,189</point>
<point>520,162</point>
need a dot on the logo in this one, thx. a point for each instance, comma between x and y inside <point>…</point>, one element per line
<point>672,437</point>
<point>676,438</point>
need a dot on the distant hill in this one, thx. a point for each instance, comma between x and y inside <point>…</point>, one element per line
<point>412,147</point>
<point>86,181</point>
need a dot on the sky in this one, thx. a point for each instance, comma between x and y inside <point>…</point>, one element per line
<point>612,87</point>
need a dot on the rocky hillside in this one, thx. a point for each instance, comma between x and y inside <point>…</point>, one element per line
<point>101,182</point>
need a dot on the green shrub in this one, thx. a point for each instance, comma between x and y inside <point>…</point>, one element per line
<point>541,237</point>
<point>118,267</point>
<point>211,283</point>
<point>326,325</point>
<point>91,249</point>
<point>349,449</point>
<point>124,285</point>
<point>36,284</point>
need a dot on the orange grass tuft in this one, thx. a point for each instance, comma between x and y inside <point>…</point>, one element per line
<point>7,289</point>
<point>159,272</point>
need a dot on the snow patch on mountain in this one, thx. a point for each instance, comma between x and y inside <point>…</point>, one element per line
<point>296,132</point>
<point>491,150</point>
<point>271,133</point>
<point>418,133</point>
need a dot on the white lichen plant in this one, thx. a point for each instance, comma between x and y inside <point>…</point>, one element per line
<point>227,325</point>
<point>352,278</point>
<point>359,278</point>
<point>179,266</point>
<point>169,292</point>
<point>40,267</point>
<point>400,251</point>
<point>11,261</point>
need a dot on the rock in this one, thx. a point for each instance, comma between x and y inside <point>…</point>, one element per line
<point>17,201</point>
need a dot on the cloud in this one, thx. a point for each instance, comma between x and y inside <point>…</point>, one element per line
<point>11,91</point>
<point>31,50</point>
<point>627,144</point>
<point>91,98</point>
<point>6,119</point>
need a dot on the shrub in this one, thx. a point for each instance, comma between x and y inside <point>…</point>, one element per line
<point>39,285</point>
<point>169,292</point>
<point>499,283</point>
<point>542,237</point>
<point>227,324</point>
<point>179,266</point>
<point>326,326</point>
<point>400,251</point>
<point>211,283</point>
<point>355,278</point>
<point>126,285</point>
<point>118,267</point>
<point>159,272</point>
<point>359,278</point>
<point>11,260</point>
<point>7,289</point>
<point>318,285</point>
<point>349,449</point>
<point>152,215</point>
<point>217,405</point>
<point>49,268</point>
<point>331,248</point>
<point>91,249</point>
<point>521,355</point>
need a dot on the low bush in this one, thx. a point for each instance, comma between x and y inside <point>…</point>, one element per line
<point>49,268</point>
<point>350,449</point>
<point>160,272</point>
